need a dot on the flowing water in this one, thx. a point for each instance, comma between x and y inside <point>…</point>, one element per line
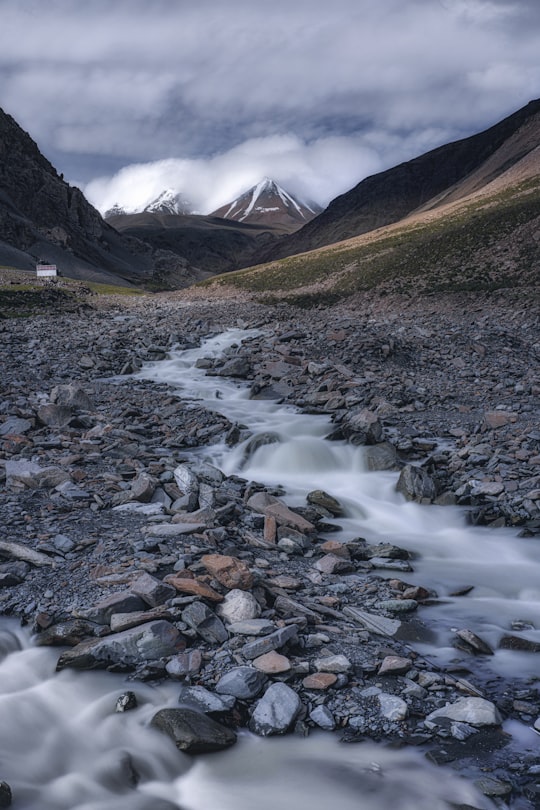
<point>62,746</point>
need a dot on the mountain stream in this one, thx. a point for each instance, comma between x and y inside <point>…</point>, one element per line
<point>62,746</point>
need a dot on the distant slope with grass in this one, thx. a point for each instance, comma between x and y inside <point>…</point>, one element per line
<point>489,240</point>
<point>447,174</point>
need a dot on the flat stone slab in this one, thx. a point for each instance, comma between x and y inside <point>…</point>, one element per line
<point>473,710</point>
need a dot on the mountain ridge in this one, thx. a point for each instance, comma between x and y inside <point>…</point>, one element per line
<point>390,196</point>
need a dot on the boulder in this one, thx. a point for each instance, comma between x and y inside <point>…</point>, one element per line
<point>192,731</point>
<point>244,683</point>
<point>205,623</point>
<point>415,484</point>
<point>152,590</point>
<point>276,711</point>
<point>239,606</point>
<point>128,649</point>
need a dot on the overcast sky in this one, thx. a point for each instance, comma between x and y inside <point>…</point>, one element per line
<point>128,97</point>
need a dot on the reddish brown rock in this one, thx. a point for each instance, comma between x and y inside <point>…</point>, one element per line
<point>229,571</point>
<point>272,663</point>
<point>319,680</point>
<point>193,586</point>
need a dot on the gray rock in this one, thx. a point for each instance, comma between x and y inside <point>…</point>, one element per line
<point>251,627</point>
<point>192,731</point>
<point>323,717</point>
<point>16,426</point>
<point>244,683</point>
<point>6,796</point>
<point>73,396</point>
<point>472,710</point>
<point>273,641</point>
<point>276,711</point>
<point>126,702</point>
<point>379,625</point>
<point>121,602</point>
<point>381,456</point>
<point>63,543</point>
<point>333,663</point>
<point>239,606</point>
<point>362,427</point>
<point>148,642</point>
<point>187,481</point>
<point>152,590</point>
<point>205,622</point>
<point>320,498</point>
<point>415,484</point>
<point>392,708</point>
<point>237,367</point>
<point>184,664</point>
<point>201,699</point>
<point>55,415</point>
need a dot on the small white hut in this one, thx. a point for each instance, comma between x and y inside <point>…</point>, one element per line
<point>46,270</point>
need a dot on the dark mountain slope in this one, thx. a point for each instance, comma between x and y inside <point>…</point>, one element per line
<point>42,217</point>
<point>390,196</point>
<point>215,244</point>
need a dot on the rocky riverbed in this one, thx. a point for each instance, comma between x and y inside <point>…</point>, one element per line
<point>127,551</point>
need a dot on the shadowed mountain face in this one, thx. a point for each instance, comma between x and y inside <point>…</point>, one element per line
<point>214,244</point>
<point>442,175</point>
<point>42,217</point>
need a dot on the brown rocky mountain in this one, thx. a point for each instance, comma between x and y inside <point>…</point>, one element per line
<point>268,204</point>
<point>42,217</point>
<point>446,174</point>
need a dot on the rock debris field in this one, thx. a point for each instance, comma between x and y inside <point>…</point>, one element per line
<point>124,549</point>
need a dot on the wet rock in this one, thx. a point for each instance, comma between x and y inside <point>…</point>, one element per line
<point>201,699</point>
<point>519,643</point>
<point>126,702</point>
<point>320,498</point>
<point>229,571</point>
<point>205,623</point>
<point>470,642</point>
<point>381,456</point>
<point>244,683</point>
<point>415,484</point>
<point>239,606</point>
<point>237,367</point>
<point>398,605</point>
<point>276,711</point>
<point>193,732</point>
<point>493,787</point>
<point>362,427</point>
<point>473,710</point>
<point>129,648</point>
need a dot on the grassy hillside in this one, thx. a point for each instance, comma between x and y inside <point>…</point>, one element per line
<point>486,243</point>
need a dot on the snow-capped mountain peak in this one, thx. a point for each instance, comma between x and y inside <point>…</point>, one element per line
<point>169,202</point>
<point>267,203</point>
